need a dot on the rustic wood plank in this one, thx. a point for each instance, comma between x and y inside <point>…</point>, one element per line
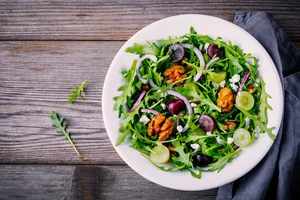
<point>35,79</point>
<point>119,20</point>
<point>84,182</point>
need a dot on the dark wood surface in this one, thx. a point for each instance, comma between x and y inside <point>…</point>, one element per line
<point>47,48</point>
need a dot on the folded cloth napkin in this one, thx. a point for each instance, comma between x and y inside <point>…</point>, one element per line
<point>277,176</point>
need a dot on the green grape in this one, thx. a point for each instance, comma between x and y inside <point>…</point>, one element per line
<point>217,77</point>
<point>160,154</point>
<point>245,100</point>
<point>241,137</point>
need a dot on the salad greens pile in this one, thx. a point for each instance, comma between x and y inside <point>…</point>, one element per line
<point>216,107</point>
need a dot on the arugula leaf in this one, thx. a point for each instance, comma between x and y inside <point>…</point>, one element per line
<point>190,89</point>
<point>153,74</point>
<point>61,125</point>
<point>143,138</point>
<point>252,68</point>
<point>237,68</point>
<point>142,49</point>
<point>263,103</point>
<point>195,175</point>
<point>218,41</point>
<point>193,137</point>
<point>183,158</point>
<point>171,41</point>
<point>77,92</point>
<point>122,137</point>
<point>176,168</point>
<point>258,122</point>
<point>218,166</point>
<point>129,117</point>
<point>209,150</point>
<point>126,88</point>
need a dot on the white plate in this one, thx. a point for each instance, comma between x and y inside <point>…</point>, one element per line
<point>177,26</point>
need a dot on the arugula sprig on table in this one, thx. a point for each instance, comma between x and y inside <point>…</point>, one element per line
<point>77,92</point>
<point>61,126</point>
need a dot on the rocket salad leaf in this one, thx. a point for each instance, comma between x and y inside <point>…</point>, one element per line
<point>184,113</point>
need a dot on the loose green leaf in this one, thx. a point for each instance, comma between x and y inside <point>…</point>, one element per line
<point>218,166</point>
<point>61,125</point>
<point>142,49</point>
<point>164,168</point>
<point>237,68</point>
<point>258,123</point>
<point>122,137</point>
<point>126,88</point>
<point>195,175</point>
<point>171,41</point>
<point>190,89</point>
<point>184,158</point>
<point>77,92</point>
<point>263,103</point>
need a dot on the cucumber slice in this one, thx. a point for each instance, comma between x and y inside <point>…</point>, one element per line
<point>217,77</point>
<point>160,154</point>
<point>241,137</point>
<point>245,100</point>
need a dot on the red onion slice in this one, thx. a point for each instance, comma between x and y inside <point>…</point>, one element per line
<point>138,101</point>
<point>200,57</point>
<point>199,74</point>
<point>197,52</point>
<point>187,103</point>
<point>211,62</point>
<point>153,84</point>
<point>154,112</point>
<point>138,65</point>
<point>244,80</point>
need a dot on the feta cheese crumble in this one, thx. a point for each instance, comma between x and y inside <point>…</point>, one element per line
<point>236,78</point>
<point>163,106</point>
<point>144,119</point>
<point>234,86</point>
<point>230,140</point>
<point>195,146</point>
<point>233,80</point>
<point>193,105</point>
<point>208,133</point>
<point>222,84</point>
<point>216,85</point>
<point>219,140</point>
<point>179,128</point>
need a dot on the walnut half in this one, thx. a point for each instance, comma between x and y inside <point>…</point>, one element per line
<point>174,73</point>
<point>160,126</point>
<point>225,99</point>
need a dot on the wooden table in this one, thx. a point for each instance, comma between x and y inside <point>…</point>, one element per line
<point>49,47</point>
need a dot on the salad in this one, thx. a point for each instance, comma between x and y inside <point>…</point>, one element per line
<point>192,103</point>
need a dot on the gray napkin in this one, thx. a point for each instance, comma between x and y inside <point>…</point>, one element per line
<point>277,176</point>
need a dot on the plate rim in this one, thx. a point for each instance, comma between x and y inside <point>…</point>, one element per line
<point>132,39</point>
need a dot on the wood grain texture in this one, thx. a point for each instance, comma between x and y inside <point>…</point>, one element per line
<point>119,20</point>
<point>37,75</point>
<point>35,79</point>
<point>84,182</point>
